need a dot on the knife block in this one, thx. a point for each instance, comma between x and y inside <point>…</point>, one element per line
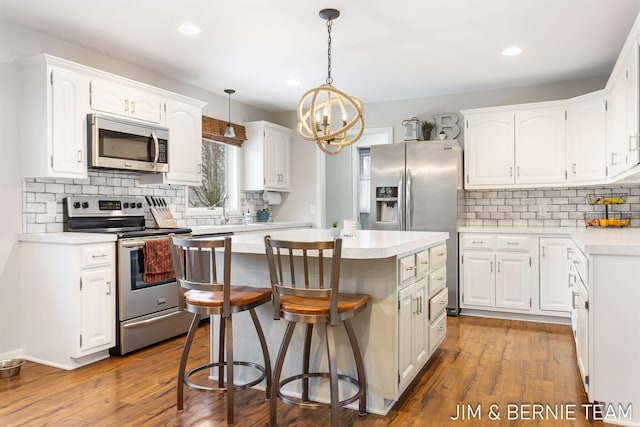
<point>163,217</point>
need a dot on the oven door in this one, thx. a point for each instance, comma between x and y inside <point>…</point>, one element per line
<point>135,296</point>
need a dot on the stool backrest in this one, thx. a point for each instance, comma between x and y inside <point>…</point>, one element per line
<point>194,261</point>
<point>281,259</point>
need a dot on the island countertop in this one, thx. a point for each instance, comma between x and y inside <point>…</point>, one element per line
<point>366,244</point>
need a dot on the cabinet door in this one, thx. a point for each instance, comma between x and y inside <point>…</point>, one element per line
<point>284,160</point>
<point>555,293</point>
<point>586,140</point>
<point>582,332</point>
<point>276,158</point>
<point>632,108</point>
<point>97,324</point>
<point>617,140</point>
<point>490,149</point>
<point>145,106</point>
<point>185,143</point>
<point>406,361</point>
<point>478,284</point>
<point>109,97</point>
<point>69,95</point>
<point>513,281</point>
<point>540,146</point>
<point>421,344</point>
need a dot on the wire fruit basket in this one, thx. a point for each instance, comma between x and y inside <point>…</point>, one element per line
<point>612,219</point>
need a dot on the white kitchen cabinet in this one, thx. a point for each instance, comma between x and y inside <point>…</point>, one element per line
<point>513,280</point>
<point>422,303</point>
<point>539,145</point>
<point>489,149</point>
<point>586,139</point>
<point>496,272</point>
<point>116,98</point>
<point>555,292</point>
<point>73,288</point>
<point>622,114</point>
<point>515,146</point>
<point>184,120</point>
<point>54,106</point>
<point>267,157</point>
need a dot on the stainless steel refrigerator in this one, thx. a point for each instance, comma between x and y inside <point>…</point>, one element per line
<point>415,187</point>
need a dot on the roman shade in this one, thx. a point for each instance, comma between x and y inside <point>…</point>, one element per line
<point>213,130</point>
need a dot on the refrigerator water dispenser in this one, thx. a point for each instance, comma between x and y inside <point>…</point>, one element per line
<point>387,204</point>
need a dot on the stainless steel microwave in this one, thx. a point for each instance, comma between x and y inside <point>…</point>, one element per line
<point>116,143</point>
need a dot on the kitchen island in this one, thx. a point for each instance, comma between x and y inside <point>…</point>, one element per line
<point>401,328</point>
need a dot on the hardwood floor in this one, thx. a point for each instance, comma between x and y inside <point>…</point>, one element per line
<point>481,362</point>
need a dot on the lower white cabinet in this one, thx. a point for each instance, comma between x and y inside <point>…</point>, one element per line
<point>68,295</point>
<point>496,272</point>
<point>422,303</point>
<point>555,292</point>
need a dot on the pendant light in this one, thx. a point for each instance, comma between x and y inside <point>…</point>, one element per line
<point>318,106</point>
<point>229,132</point>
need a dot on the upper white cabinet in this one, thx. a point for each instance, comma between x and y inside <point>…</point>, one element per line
<point>622,114</point>
<point>184,120</point>
<point>539,145</point>
<point>267,157</point>
<point>56,97</point>
<point>489,149</point>
<point>54,105</point>
<point>586,136</point>
<point>515,146</point>
<point>123,100</point>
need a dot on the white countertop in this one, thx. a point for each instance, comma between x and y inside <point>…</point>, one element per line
<point>67,238</point>
<point>591,240</point>
<point>366,244</point>
<point>199,230</point>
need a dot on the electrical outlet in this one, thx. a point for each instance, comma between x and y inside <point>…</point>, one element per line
<point>543,210</point>
<point>51,209</point>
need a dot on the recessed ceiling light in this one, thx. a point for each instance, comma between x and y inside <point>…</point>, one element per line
<point>189,30</point>
<point>511,51</point>
<point>293,82</point>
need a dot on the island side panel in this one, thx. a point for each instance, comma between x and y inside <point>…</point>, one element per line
<point>376,327</point>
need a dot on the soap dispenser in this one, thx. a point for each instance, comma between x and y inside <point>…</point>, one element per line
<point>248,218</point>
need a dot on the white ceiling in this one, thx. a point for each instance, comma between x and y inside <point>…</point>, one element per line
<point>382,50</point>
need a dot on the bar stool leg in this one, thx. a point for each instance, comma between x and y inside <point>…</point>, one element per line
<point>357,355</point>
<point>265,351</point>
<point>305,362</point>
<point>273,402</point>
<point>183,360</point>
<point>230,388</point>
<point>221,348</point>
<point>333,374</point>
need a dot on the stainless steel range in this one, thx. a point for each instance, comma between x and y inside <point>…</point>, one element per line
<point>147,312</point>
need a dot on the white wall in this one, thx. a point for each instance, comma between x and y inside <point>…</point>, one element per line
<point>11,212</point>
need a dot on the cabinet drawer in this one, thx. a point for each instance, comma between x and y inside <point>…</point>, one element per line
<point>438,255</point>
<point>97,256</point>
<point>437,332</point>
<point>422,263</point>
<point>438,304</point>
<point>437,280</point>
<point>407,268</point>
<point>513,243</point>
<point>477,241</point>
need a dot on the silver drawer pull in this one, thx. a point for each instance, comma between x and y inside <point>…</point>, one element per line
<point>99,256</point>
<point>476,242</point>
<point>410,268</point>
<point>512,243</point>
<point>425,262</point>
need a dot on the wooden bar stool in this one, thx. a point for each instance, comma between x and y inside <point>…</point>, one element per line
<point>313,303</point>
<point>201,294</point>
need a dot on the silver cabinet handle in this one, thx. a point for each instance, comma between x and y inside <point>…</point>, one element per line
<point>633,146</point>
<point>79,156</point>
<point>518,171</point>
<point>573,168</point>
<point>491,265</point>
<point>126,105</point>
<point>133,107</point>
<point>573,301</point>
<point>614,161</point>
<point>498,266</point>
<point>109,287</point>
<point>510,171</point>
<point>99,256</point>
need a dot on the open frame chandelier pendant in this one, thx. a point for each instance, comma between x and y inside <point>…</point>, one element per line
<point>325,104</point>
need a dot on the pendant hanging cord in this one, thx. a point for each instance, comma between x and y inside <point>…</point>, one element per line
<point>329,78</point>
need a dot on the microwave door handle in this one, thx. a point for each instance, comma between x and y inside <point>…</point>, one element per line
<point>157,146</point>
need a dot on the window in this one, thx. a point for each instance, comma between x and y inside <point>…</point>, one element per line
<point>220,176</point>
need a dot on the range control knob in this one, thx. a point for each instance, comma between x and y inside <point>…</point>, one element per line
<point>125,205</point>
<point>76,205</point>
<point>139,205</point>
<point>85,205</point>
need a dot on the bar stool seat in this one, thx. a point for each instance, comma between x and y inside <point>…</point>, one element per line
<point>313,303</point>
<point>196,270</point>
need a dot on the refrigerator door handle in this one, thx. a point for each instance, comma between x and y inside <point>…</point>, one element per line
<point>409,204</point>
<point>401,201</point>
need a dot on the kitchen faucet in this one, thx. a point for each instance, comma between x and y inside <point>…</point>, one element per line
<point>223,204</point>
